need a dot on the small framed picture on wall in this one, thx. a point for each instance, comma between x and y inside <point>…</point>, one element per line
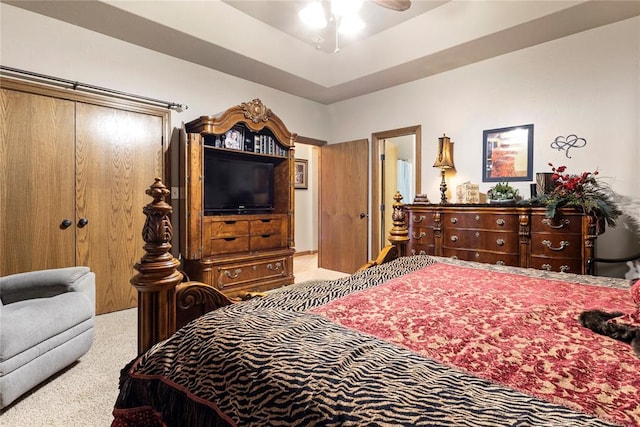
<point>301,174</point>
<point>507,154</point>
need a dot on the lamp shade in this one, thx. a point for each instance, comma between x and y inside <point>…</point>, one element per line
<point>445,153</point>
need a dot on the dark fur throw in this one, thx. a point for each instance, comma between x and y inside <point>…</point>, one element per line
<point>599,321</point>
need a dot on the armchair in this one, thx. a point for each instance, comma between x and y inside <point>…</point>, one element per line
<point>46,323</point>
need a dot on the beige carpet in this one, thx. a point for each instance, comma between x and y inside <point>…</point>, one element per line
<point>83,395</point>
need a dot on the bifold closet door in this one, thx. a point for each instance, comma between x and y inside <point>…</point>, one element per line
<point>37,182</point>
<point>118,153</point>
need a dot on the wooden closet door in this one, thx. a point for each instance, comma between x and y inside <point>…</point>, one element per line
<point>37,182</point>
<point>118,155</point>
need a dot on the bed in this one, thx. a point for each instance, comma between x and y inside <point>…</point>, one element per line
<point>410,341</point>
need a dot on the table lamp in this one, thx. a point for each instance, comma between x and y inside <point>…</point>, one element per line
<point>444,161</point>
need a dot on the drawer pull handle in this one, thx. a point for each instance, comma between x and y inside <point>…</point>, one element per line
<point>230,222</point>
<point>265,220</point>
<point>454,257</point>
<point>419,219</point>
<point>500,221</point>
<point>563,244</point>
<point>546,267</point>
<point>477,255</point>
<point>500,263</point>
<point>230,239</point>
<point>418,236</point>
<point>564,269</point>
<point>563,222</point>
<point>265,236</point>
<point>233,275</point>
<point>477,217</point>
<point>422,253</point>
<point>454,220</point>
<point>500,242</point>
<point>477,234</point>
<point>274,268</point>
<point>454,238</point>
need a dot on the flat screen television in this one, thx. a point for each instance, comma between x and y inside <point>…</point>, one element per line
<point>234,185</point>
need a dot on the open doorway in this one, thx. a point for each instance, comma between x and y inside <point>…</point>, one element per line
<point>396,166</point>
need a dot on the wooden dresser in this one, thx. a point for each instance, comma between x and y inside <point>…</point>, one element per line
<point>506,235</point>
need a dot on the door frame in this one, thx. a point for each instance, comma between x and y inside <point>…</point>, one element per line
<point>376,178</point>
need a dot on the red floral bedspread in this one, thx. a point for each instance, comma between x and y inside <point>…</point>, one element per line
<point>514,330</point>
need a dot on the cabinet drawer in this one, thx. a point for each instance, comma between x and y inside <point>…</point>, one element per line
<point>506,242</point>
<point>556,245</point>
<point>417,249</point>
<point>478,220</point>
<point>267,241</point>
<point>561,224</point>
<point>557,264</point>
<point>228,228</point>
<point>480,256</point>
<point>244,274</point>
<point>421,235</point>
<point>228,245</point>
<point>268,226</point>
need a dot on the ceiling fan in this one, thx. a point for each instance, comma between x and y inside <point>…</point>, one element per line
<point>399,5</point>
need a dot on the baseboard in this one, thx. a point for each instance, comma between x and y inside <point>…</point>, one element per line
<point>305,253</point>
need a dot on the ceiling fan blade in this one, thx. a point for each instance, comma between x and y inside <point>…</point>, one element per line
<point>398,5</point>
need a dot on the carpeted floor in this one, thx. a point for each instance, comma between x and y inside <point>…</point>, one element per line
<point>83,395</point>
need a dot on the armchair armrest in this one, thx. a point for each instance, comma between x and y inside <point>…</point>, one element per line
<point>47,283</point>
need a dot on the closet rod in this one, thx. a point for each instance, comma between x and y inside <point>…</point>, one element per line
<point>70,84</point>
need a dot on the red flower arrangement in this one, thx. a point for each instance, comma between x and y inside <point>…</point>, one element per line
<point>582,191</point>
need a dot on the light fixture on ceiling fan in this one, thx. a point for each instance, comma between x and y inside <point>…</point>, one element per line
<point>344,14</point>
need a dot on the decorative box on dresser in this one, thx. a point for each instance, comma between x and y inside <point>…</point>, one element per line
<point>244,249</point>
<point>503,234</point>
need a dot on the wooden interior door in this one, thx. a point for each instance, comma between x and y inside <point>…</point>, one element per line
<point>118,155</point>
<point>37,184</point>
<point>343,219</point>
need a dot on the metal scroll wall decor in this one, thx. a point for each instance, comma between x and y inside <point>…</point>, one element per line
<point>562,143</point>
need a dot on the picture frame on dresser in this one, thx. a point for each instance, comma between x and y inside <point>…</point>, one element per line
<point>301,173</point>
<point>507,154</point>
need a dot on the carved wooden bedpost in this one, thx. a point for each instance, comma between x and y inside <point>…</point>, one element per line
<point>158,277</point>
<point>399,234</point>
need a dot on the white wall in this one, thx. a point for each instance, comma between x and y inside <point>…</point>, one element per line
<point>586,84</point>
<point>306,207</point>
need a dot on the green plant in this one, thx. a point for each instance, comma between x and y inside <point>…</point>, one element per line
<point>584,191</point>
<point>502,191</point>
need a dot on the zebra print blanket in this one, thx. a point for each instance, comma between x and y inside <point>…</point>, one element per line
<point>270,362</point>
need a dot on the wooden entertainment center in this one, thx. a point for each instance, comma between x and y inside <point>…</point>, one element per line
<point>237,229</point>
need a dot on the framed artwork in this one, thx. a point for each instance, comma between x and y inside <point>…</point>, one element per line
<point>301,174</point>
<point>507,154</point>
<point>234,138</point>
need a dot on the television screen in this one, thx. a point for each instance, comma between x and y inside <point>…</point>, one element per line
<point>237,185</point>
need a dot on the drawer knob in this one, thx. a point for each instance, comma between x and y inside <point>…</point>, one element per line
<point>418,236</point>
<point>419,219</point>
<point>477,255</point>
<point>564,269</point>
<point>500,242</point>
<point>500,263</point>
<point>477,217</point>
<point>275,267</point>
<point>454,238</point>
<point>233,275</point>
<point>549,223</point>
<point>500,221</point>
<point>563,244</point>
<point>477,234</point>
<point>454,220</point>
<point>454,257</point>
<point>546,267</point>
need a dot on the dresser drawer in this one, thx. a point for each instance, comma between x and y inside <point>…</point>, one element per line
<point>477,220</point>
<point>556,245</point>
<point>244,274</point>
<point>227,228</point>
<point>561,224</point>
<point>416,249</point>
<point>496,241</point>
<point>557,264</point>
<point>228,245</point>
<point>267,226</point>
<point>267,241</point>
<point>485,257</point>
